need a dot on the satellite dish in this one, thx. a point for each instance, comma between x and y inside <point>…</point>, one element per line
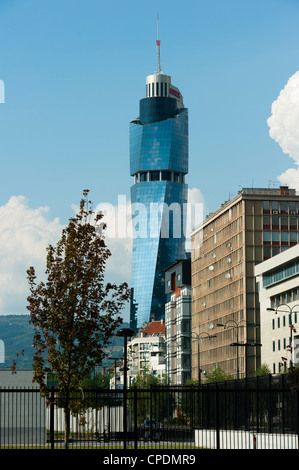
<point>210,326</point>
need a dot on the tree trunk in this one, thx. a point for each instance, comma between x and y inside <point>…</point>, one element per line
<point>66,427</point>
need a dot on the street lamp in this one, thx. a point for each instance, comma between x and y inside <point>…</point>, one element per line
<point>199,336</point>
<point>237,325</point>
<point>125,333</point>
<point>291,325</point>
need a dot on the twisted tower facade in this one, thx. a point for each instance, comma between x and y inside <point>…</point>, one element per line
<point>158,163</point>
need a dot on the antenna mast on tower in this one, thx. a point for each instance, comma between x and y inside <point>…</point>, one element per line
<point>158,42</point>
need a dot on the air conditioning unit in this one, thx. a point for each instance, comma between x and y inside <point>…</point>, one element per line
<point>274,212</point>
<point>293,212</point>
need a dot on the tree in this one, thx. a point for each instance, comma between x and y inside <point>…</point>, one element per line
<point>263,370</point>
<point>151,400</point>
<point>74,313</point>
<point>217,375</point>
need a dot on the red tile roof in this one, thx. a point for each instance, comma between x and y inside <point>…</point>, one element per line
<point>154,328</point>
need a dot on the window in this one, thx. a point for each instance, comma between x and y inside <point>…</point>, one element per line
<point>155,175</point>
<point>143,176</point>
<point>267,252</point>
<point>166,176</point>
<point>273,346</point>
<point>284,222</point>
<point>266,205</point>
<point>266,221</point>
<point>176,177</point>
<point>292,206</point>
<point>293,222</point>
<point>267,237</point>
<point>280,274</point>
<point>275,237</point>
<point>293,237</point>
<point>285,237</point>
<point>275,250</point>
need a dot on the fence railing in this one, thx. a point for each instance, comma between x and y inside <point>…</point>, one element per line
<point>252,413</point>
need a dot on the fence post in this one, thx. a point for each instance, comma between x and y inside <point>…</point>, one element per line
<point>52,419</point>
<point>135,419</point>
<point>257,395</point>
<point>270,405</point>
<point>217,418</point>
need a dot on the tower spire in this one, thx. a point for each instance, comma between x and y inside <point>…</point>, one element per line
<point>158,42</point>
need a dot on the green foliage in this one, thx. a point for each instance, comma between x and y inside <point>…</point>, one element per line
<point>262,371</point>
<point>97,381</point>
<point>217,375</point>
<point>74,313</point>
<point>152,402</point>
<point>144,379</point>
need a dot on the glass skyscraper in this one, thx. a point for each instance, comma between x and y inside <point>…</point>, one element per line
<point>158,163</point>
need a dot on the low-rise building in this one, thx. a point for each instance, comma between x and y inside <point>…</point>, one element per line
<point>146,351</point>
<point>278,281</point>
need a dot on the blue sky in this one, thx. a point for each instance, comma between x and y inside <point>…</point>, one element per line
<point>74,72</point>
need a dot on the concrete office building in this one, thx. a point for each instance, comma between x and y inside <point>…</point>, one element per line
<point>243,232</point>
<point>278,281</point>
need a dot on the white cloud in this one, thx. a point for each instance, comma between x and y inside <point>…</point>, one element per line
<point>118,239</point>
<point>284,127</point>
<point>25,234</point>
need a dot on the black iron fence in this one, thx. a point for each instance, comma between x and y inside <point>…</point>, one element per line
<point>245,414</point>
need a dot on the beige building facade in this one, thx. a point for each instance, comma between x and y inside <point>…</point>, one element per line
<point>245,231</point>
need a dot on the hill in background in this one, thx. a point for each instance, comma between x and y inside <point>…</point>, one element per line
<point>17,334</point>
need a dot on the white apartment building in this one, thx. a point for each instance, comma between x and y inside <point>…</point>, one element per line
<point>146,351</point>
<point>278,282</point>
<point>178,322</point>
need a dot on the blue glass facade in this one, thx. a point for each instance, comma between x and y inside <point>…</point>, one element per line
<point>159,163</point>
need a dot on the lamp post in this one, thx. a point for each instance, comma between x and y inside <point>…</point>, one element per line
<point>237,345</point>
<point>125,333</point>
<point>291,325</point>
<point>237,325</point>
<point>199,336</point>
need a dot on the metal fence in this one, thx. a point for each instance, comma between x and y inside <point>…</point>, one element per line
<point>245,414</point>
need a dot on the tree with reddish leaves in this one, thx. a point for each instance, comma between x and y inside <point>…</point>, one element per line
<point>74,312</point>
